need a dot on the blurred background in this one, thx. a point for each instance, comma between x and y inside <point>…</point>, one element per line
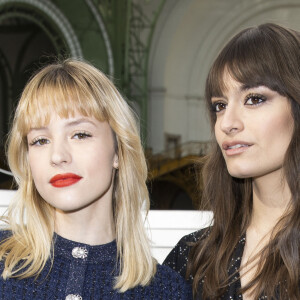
<point>157,52</point>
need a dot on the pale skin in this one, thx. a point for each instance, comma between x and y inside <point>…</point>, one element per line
<point>253,128</point>
<point>83,146</point>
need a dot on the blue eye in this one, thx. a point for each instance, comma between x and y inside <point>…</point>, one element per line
<point>255,99</point>
<point>81,135</point>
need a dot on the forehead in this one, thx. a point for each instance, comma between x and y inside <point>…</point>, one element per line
<point>69,121</point>
<point>225,85</point>
<point>229,84</point>
<point>61,125</point>
<point>38,112</point>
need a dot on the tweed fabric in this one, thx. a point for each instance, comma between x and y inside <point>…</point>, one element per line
<point>81,271</point>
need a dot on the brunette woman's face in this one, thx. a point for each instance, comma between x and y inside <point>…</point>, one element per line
<point>253,128</point>
<point>72,162</point>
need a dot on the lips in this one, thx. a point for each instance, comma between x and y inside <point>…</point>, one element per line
<point>236,147</point>
<point>63,180</point>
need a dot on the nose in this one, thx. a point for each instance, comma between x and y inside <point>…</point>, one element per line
<point>231,121</point>
<point>60,153</point>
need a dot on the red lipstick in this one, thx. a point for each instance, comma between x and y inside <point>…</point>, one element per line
<point>63,180</point>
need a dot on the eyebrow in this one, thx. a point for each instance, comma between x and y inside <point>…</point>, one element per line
<point>80,121</point>
<point>243,88</point>
<point>68,124</point>
<point>246,86</point>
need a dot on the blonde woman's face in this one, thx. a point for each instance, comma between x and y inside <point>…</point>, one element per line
<point>72,162</point>
<point>253,128</point>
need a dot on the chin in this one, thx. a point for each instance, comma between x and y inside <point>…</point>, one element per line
<point>240,176</point>
<point>240,173</point>
<point>68,209</point>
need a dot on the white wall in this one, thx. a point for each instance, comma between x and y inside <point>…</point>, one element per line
<point>5,197</point>
<point>187,38</point>
<point>167,227</point>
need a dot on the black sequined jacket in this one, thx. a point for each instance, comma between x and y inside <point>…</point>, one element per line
<point>178,258</point>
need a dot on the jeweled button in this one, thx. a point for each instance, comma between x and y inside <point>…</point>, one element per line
<point>73,297</point>
<point>79,252</point>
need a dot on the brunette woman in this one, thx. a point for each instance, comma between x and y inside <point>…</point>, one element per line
<point>251,177</point>
<point>75,226</point>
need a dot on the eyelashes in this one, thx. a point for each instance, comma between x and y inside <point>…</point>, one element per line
<point>41,141</point>
<point>218,106</point>
<point>255,99</point>
<point>81,135</point>
<point>252,99</point>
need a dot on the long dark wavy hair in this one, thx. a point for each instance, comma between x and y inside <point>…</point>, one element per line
<point>267,55</point>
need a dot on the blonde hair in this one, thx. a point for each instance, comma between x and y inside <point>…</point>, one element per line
<point>66,88</point>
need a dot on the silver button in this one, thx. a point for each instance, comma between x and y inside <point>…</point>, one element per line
<point>73,297</point>
<point>79,252</point>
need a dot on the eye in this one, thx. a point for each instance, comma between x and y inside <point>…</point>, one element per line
<point>218,106</point>
<point>254,99</point>
<point>39,142</point>
<point>81,135</point>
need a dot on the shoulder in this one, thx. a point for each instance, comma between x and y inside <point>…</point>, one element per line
<point>4,234</point>
<point>174,286</point>
<point>178,257</point>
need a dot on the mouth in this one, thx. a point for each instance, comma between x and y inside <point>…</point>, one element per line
<point>63,180</point>
<point>237,146</point>
<point>234,148</point>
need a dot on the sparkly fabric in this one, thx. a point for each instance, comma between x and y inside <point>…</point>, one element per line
<point>88,273</point>
<point>178,258</point>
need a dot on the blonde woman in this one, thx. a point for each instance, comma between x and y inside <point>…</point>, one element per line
<point>75,225</point>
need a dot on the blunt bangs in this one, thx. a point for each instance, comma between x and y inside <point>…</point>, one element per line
<point>61,92</point>
<point>251,58</point>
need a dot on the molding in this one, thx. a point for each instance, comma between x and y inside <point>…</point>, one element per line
<point>157,90</point>
<point>103,30</point>
<point>226,28</point>
<point>58,18</point>
<point>195,97</point>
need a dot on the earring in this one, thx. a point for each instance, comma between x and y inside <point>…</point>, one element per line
<point>116,165</point>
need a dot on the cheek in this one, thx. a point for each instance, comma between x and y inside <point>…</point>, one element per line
<point>99,164</point>
<point>286,126</point>
<point>33,165</point>
<point>218,133</point>
<point>38,169</point>
<point>278,131</point>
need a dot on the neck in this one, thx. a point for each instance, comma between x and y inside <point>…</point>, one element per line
<point>92,225</point>
<point>271,196</point>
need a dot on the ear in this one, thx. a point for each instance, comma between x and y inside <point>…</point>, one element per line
<point>116,162</point>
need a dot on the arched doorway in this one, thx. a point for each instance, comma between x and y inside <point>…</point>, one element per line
<point>28,40</point>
